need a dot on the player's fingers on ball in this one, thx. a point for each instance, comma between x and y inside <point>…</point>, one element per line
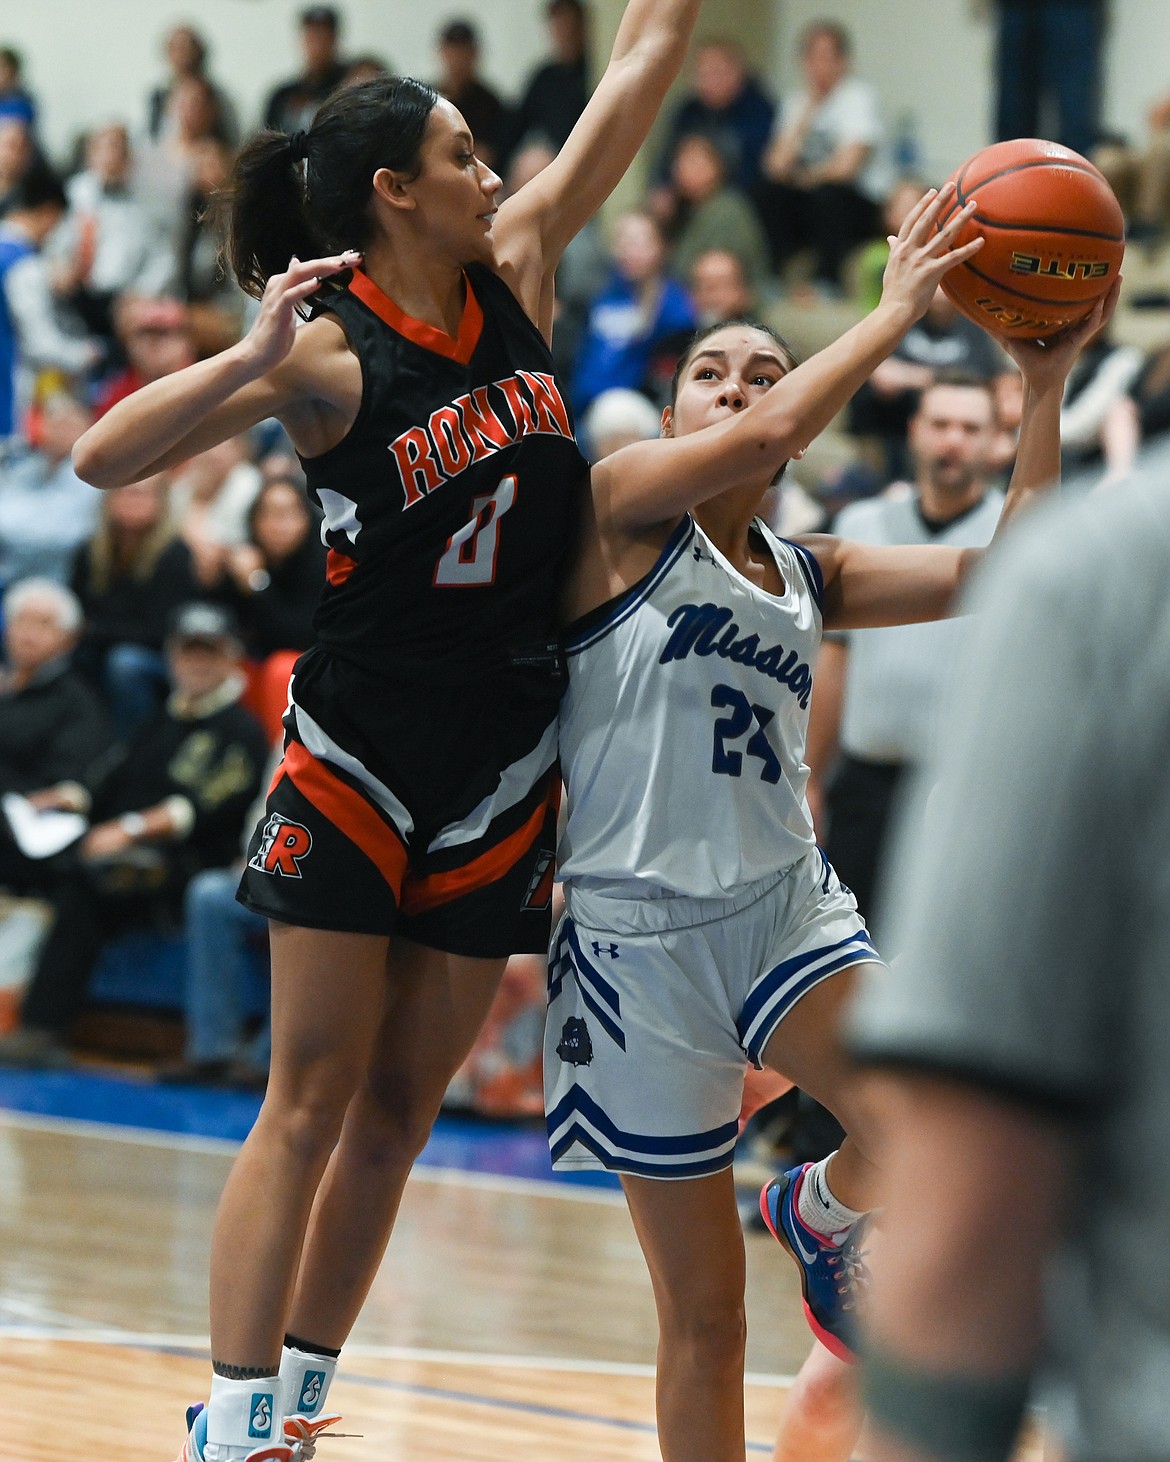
<point>964,251</point>
<point>956,224</point>
<point>927,220</point>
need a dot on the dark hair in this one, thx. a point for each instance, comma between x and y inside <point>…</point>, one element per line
<point>705,331</point>
<point>14,59</point>
<point>269,483</point>
<point>459,33</point>
<point>554,6</point>
<point>40,187</point>
<point>321,15</point>
<point>276,212</point>
<point>835,32</point>
<point>964,381</point>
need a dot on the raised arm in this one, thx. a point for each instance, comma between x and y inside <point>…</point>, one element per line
<point>867,585</point>
<point>654,482</point>
<point>275,370</point>
<point>534,226</point>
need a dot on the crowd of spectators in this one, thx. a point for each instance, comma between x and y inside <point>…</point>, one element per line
<point>110,279</point>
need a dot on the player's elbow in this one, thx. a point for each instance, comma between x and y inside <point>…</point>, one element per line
<point>93,465</point>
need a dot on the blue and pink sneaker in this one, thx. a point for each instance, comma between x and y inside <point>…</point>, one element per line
<point>831,1275</point>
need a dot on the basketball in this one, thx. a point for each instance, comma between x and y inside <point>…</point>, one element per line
<point>1054,238</point>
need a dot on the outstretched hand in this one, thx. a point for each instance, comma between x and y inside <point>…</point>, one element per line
<point>922,253</point>
<point>271,337</point>
<point>1046,363</point>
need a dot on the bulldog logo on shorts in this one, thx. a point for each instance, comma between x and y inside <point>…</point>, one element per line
<point>282,845</point>
<point>575,1047</point>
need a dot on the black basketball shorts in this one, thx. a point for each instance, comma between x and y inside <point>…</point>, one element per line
<point>334,852</point>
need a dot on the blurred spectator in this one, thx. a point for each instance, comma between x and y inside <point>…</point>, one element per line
<point>1150,395</point>
<point>46,511</point>
<point>872,261</point>
<point>167,166</point>
<point>172,804</point>
<point>110,240</point>
<point>186,55</point>
<point>483,111</point>
<point>1141,176</point>
<point>15,101</point>
<point>729,105</point>
<point>18,157</point>
<point>293,105</point>
<point>826,169</point>
<point>31,339</point>
<point>719,287</point>
<point>130,576</point>
<point>211,501</point>
<point>366,68</point>
<point>276,576</point>
<point>1048,70</point>
<point>616,419</point>
<point>215,302</point>
<point>52,725</point>
<point>640,312</point>
<point>227,958</point>
<point>156,338</point>
<point>943,340</point>
<point>711,212</point>
<point>503,1076</point>
<point>557,91</point>
<point>878,691</point>
<point>1096,415</point>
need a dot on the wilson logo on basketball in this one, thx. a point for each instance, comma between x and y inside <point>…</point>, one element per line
<point>1059,268</point>
<point>282,845</point>
<point>1007,318</point>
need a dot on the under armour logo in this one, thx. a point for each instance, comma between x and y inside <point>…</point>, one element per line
<point>610,949</point>
<point>700,556</point>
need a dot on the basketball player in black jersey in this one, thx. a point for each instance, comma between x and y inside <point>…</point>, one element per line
<point>407,845</point>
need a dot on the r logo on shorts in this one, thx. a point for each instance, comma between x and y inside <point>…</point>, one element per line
<point>282,845</point>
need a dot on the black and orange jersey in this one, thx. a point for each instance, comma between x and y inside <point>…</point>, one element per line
<point>450,504</point>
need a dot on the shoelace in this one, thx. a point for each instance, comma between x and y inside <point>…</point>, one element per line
<point>852,1272</point>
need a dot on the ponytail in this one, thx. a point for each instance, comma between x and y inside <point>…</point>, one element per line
<point>277,208</point>
<point>267,219</point>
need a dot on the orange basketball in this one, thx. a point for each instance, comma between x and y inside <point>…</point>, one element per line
<point>1054,238</point>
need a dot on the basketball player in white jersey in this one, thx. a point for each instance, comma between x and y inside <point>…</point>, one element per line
<point>704,929</point>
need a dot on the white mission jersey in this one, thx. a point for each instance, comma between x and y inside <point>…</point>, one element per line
<point>683,728</point>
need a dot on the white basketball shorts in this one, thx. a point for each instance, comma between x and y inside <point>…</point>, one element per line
<point>656,1006</point>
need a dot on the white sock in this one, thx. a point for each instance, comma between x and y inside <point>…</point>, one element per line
<point>305,1379</point>
<point>819,1209</point>
<point>241,1416</point>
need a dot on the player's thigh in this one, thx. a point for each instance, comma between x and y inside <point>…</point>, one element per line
<point>690,1234</point>
<point>808,1046</point>
<point>328,996</point>
<point>437,1004</point>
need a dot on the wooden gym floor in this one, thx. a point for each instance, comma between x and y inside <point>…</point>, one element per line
<point>511,1321</point>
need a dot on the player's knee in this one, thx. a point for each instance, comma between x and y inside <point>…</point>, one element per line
<point>821,1394</point>
<point>714,1334</point>
<point>306,1119</point>
<point>391,1119</point>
